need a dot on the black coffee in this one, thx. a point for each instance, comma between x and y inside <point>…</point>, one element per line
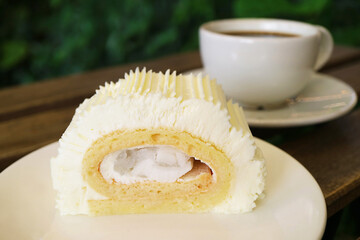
<point>259,34</point>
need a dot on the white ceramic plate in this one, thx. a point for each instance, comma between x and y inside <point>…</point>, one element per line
<point>294,208</point>
<point>324,98</point>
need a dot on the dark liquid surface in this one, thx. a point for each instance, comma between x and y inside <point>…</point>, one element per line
<point>260,34</point>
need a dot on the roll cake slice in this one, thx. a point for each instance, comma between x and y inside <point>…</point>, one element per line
<point>157,143</point>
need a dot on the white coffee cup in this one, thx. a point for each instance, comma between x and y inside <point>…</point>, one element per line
<point>263,71</point>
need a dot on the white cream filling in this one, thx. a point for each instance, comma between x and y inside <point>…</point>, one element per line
<point>155,163</point>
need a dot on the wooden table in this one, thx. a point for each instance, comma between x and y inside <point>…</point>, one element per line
<point>35,115</point>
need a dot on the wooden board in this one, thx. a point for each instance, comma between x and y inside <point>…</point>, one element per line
<point>34,115</point>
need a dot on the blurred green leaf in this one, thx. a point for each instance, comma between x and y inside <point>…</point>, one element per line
<point>59,37</point>
<point>55,3</point>
<point>272,8</point>
<point>12,53</point>
<point>160,41</point>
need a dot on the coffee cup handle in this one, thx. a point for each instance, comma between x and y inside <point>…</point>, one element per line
<point>325,49</point>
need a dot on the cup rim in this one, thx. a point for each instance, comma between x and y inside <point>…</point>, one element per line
<point>206,27</point>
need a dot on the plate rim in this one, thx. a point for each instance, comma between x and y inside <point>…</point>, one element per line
<point>257,141</point>
<point>280,123</point>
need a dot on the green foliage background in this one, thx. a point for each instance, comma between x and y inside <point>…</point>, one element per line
<point>44,39</point>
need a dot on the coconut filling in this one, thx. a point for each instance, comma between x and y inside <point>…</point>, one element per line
<point>159,163</point>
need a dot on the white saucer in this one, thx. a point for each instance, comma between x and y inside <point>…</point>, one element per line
<point>293,208</point>
<point>324,98</point>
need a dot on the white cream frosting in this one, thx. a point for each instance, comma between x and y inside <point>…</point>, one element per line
<point>186,103</point>
<point>146,163</point>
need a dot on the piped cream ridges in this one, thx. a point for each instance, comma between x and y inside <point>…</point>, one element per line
<point>168,85</point>
<point>146,108</point>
